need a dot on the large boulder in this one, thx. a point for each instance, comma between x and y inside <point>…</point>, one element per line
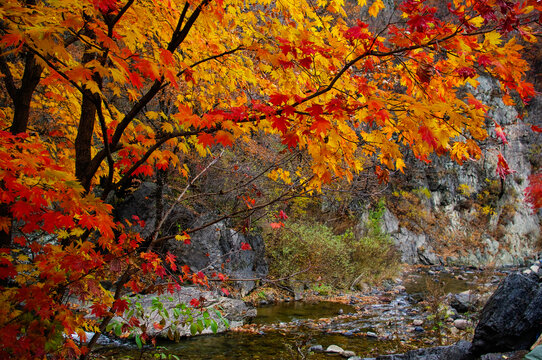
<point>512,318</point>
<point>218,248</point>
<point>214,248</point>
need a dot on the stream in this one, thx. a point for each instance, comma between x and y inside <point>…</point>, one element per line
<point>389,320</point>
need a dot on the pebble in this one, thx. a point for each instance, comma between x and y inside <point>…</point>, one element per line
<point>371,334</point>
<point>348,354</point>
<point>335,349</point>
<point>419,329</point>
<point>417,322</point>
<point>316,348</point>
<point>535,268</point>
<point>461,324</point>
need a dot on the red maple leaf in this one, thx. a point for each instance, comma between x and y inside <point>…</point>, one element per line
<point>290,139</point>
<point>245,246</point>
<point>119,306</point>
<point>321,125</point>
<point>224,137</point>
<point>502,167</point>
<point>105,6</point>
<point>276,225</point>
<point>206,139</point>
<point>278,99</point>
<point>427,136</point>
<point>306,62</point>
<point>280,123</point>
<point>194,303</point>
<point>166,56</point>
<point>500,133</point>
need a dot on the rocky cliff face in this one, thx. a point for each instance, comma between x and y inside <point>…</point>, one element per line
<point>445,213</point>
<point>215,248</point>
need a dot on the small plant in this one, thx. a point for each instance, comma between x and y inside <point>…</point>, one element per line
<point>322,289</point>
<point>438,311</point>
<point>465,190</point>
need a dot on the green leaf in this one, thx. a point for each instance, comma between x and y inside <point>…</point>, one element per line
<point>214,326</point>
<point>226,322</point>
<point>118,330</point>
<point>138,341</point>
<point>193,328</point>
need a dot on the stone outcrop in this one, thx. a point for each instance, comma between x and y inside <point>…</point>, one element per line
<point>218,248</point>
<point>465,215</point>
<point>215,248</point>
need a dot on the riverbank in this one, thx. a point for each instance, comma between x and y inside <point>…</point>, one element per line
<point>425,307</point>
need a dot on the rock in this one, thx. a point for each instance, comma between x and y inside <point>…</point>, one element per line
<point>348,354</point>
<point>535,354</point>
<point>417,322</point>
<point>141,203</point>
<point>419,329</point>
<point>235,311</point>
<point>316,348</point>
<point>461,324</point>
<point>464,301</point>
<point>209,248</point>
<point>512,318</point>
<point>334,349</point>
<point>458,351</point>
<point>535,268</point>
<point>513,355</point>
<point>371,334</point>
<point>218,242</point>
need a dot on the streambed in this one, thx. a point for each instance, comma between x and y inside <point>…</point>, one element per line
<point>389,320</point>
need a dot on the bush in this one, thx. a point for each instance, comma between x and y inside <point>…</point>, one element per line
<point>313,253</point>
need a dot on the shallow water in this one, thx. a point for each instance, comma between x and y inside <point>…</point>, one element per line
<point>299,310</point>
<point>287,330</point>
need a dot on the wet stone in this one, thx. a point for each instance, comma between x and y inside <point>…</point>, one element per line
<point>316,348</point>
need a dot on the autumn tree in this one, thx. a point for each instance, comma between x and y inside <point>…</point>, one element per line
<point>96,93</point>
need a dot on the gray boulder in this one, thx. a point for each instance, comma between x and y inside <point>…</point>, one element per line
<point>217,248</point>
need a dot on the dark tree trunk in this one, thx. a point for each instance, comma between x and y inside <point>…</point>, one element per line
<point>85,131</point>
<point>23,95</point>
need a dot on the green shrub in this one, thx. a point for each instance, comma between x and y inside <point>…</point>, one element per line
<point>312,253</point>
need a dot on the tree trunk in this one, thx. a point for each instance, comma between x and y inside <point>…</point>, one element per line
<point>85,131</point>
<point>23,97</point>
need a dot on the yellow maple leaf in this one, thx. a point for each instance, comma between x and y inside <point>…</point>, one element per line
<point>400,165</point>
<point>376,7</point>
